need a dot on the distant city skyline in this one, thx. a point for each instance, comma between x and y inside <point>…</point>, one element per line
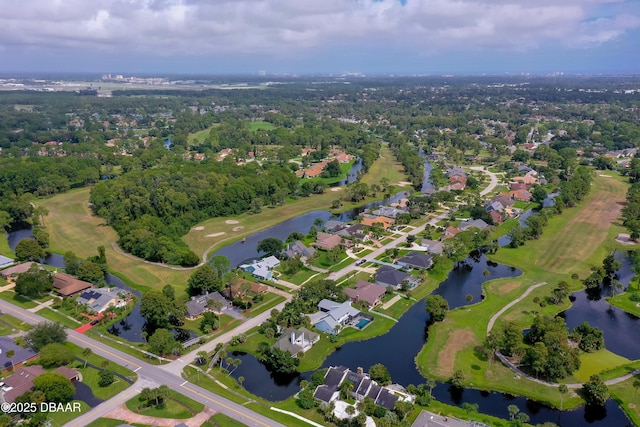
<point>321,36</point>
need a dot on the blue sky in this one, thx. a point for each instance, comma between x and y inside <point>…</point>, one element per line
<point>327,36</point>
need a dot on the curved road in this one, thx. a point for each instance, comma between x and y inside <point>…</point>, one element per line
<point>511,304</point>
<point>148,376</point>
<point>492,176</point>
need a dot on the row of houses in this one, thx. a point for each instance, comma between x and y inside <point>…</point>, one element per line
<point>97,300</point>
<point>363,387</point>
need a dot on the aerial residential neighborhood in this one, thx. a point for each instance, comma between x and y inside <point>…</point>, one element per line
<point>341,214</point>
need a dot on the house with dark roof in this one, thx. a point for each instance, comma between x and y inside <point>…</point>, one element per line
<point>333,226</point>
<point>473,223</point>
<point>367,292</point>
<point>355,231</point>
<point>298,248</point>
<point>67,285</point>
<point>363,387</point>
<point>419,260</point>
<point>20,356</point>
<point>197,306</point>
<point>394,278</point>
<point>296,341</point>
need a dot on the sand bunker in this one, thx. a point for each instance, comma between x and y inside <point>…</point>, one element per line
<point>238,228</point>
<point>625,239</point>
<point>199,228</point>
<point>232,221</point>
<point>403,183</point>
<point>215,234</point>
<point>336,189</point>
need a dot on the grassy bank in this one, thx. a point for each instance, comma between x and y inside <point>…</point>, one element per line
<point>387,167</point>
<point>571,243</point>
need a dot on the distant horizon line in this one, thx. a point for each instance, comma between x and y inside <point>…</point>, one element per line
<point>262,74</point>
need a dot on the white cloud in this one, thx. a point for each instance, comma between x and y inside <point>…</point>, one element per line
<point>288,26</point>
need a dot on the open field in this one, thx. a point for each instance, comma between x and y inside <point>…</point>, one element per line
<point>260,125</point>
<point>4,247</point>
<point>592,363</point>
<point>73,227</point>
<point>628,398</point>
<point>385,166</point>
<point>584,242</point>
<point>199,243</point>
<point>197,138</point>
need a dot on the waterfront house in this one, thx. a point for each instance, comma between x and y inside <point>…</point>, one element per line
<point>100,299</point>
<point>367,292</point>
<point>198,305</point>
<point>473,223</point>
<point>394,278</point>
<point>332,316</point>
<point>419,260</point>
<point>67,285</point>
<point>296,341</point>
<point>20,355</point>
<point>262,268</point>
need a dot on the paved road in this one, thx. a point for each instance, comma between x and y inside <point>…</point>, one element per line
<point>179,364</point>
<point>148,376</point>
<point>377,252</point>
<point>492,176</point>
<point>511,304</point>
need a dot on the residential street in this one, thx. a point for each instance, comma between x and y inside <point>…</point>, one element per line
<point>149,376</point>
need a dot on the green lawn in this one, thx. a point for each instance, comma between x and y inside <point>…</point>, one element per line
<point>385,166</point>
<point>10,325</point>
<point>4,247</point>
<point>176,406</point>
<point>260,125</point>
<point>105,422</point>
<point>239,395</point>
<point>57,317</point>
<point>91,377</point>
<point>221,420</point>
<point>299,277</point>
<point>61,418</point>
<point>270,301</point>
<point>624,302</point>
<point>199,137</point>
<point>18,300</point>
<point>323,260</point>
<point>97,360</point>
<point>596,362</point>
<point>628,398</point>
<point>571,243</point>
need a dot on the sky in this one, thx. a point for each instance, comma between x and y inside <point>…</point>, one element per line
<point>320,36</point>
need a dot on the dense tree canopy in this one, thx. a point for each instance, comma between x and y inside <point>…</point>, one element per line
<point>34,282</point>
<point>45,333</point>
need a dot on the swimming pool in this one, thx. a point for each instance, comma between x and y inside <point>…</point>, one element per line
<point>362,323</point>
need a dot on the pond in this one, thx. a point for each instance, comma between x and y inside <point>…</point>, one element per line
<point>131,327</point>
<point>352,175</point>
<point>397,349</point>
<point>619,327</point>
<point>243,251</point>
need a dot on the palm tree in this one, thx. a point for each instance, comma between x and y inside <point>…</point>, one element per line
<point>229,362</point>
<point>563,389</point>
<point>222,356</point>
<point>236,363</point>
<point>345,389</point>
<point>240,380</point>
<point>86,353</point>
<point>162,393</point>
<point>10,354</point>
<point>431,383</point>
